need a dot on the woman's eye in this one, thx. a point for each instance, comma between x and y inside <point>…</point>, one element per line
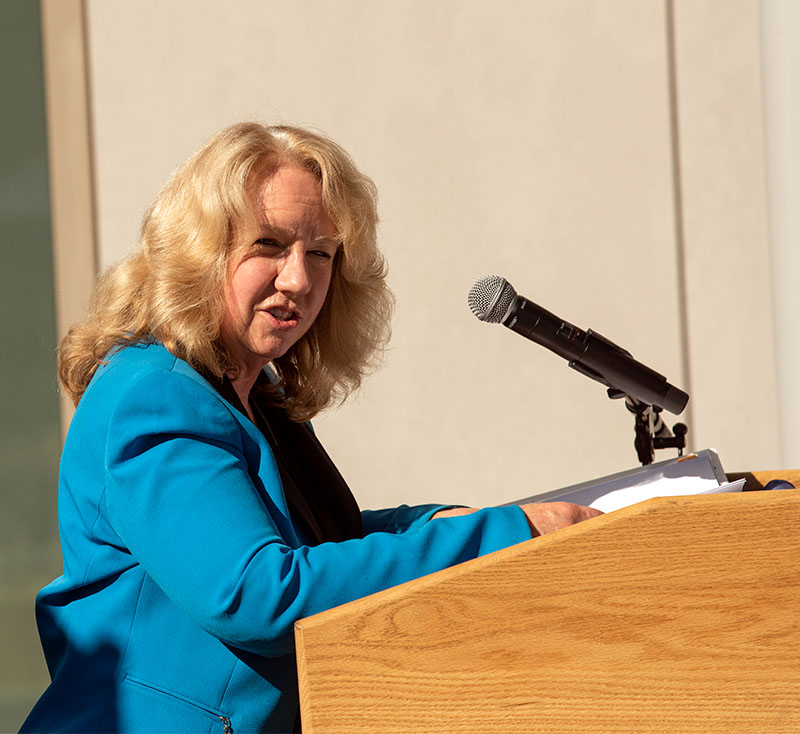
<point>321,254</point>
<point>267,242</point>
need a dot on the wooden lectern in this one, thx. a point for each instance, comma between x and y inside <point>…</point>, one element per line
<point>673,615</point>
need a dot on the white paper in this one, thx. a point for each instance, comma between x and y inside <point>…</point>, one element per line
<point>698,473</point>
<point>618,498</point>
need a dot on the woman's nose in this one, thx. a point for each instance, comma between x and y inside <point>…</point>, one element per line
<point>293,276</point>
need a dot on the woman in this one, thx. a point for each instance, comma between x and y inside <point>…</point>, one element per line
<point>199,516</point>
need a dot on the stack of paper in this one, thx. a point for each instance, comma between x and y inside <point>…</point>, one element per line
<point>699,473</point>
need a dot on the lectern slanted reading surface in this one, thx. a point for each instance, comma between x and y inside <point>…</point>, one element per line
<point>674,615</point>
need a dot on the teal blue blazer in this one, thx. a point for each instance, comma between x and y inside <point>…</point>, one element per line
<point>183,573</point>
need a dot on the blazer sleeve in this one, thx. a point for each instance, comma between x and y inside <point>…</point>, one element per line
<point>213,536</point>
<point>398,519</point>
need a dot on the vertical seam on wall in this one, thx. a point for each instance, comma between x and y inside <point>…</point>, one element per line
<point>784,412</point>
<point>677,191</point>
<point>72,200</point>
<point>87,74</point>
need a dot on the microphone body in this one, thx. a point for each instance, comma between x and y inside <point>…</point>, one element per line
<point>593,355</point>
<point>493,299</point>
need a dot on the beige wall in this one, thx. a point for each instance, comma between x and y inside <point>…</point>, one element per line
<point>72,201</point>
<point>728,291</point>
<point>606,156</point>
<point>781,73</point>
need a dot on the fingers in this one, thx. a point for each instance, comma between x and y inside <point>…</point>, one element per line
<point>547,517</point>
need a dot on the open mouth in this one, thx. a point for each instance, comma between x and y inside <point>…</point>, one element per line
<point>280,315</point>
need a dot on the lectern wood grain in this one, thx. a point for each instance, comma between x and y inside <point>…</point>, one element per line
<point>674,615</point>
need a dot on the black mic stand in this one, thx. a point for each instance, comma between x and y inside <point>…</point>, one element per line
<point>651,432</point>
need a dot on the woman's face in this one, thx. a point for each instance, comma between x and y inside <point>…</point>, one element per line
<point>278,280</point>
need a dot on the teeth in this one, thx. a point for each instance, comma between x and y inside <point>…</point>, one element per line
<point>281,315</point>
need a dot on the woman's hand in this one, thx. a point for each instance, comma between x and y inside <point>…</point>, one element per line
<point>454,512</point>
<point>547,517</point>
<point>543,517</point>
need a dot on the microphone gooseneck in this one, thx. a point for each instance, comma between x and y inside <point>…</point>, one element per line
<point>493,300</point>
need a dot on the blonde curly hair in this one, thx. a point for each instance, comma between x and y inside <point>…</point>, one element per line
<point>172,288</point>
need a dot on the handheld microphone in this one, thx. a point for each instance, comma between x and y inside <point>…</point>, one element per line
<point>494,300</point>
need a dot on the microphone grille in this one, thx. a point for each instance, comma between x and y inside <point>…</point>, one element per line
<point>490,298</point>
